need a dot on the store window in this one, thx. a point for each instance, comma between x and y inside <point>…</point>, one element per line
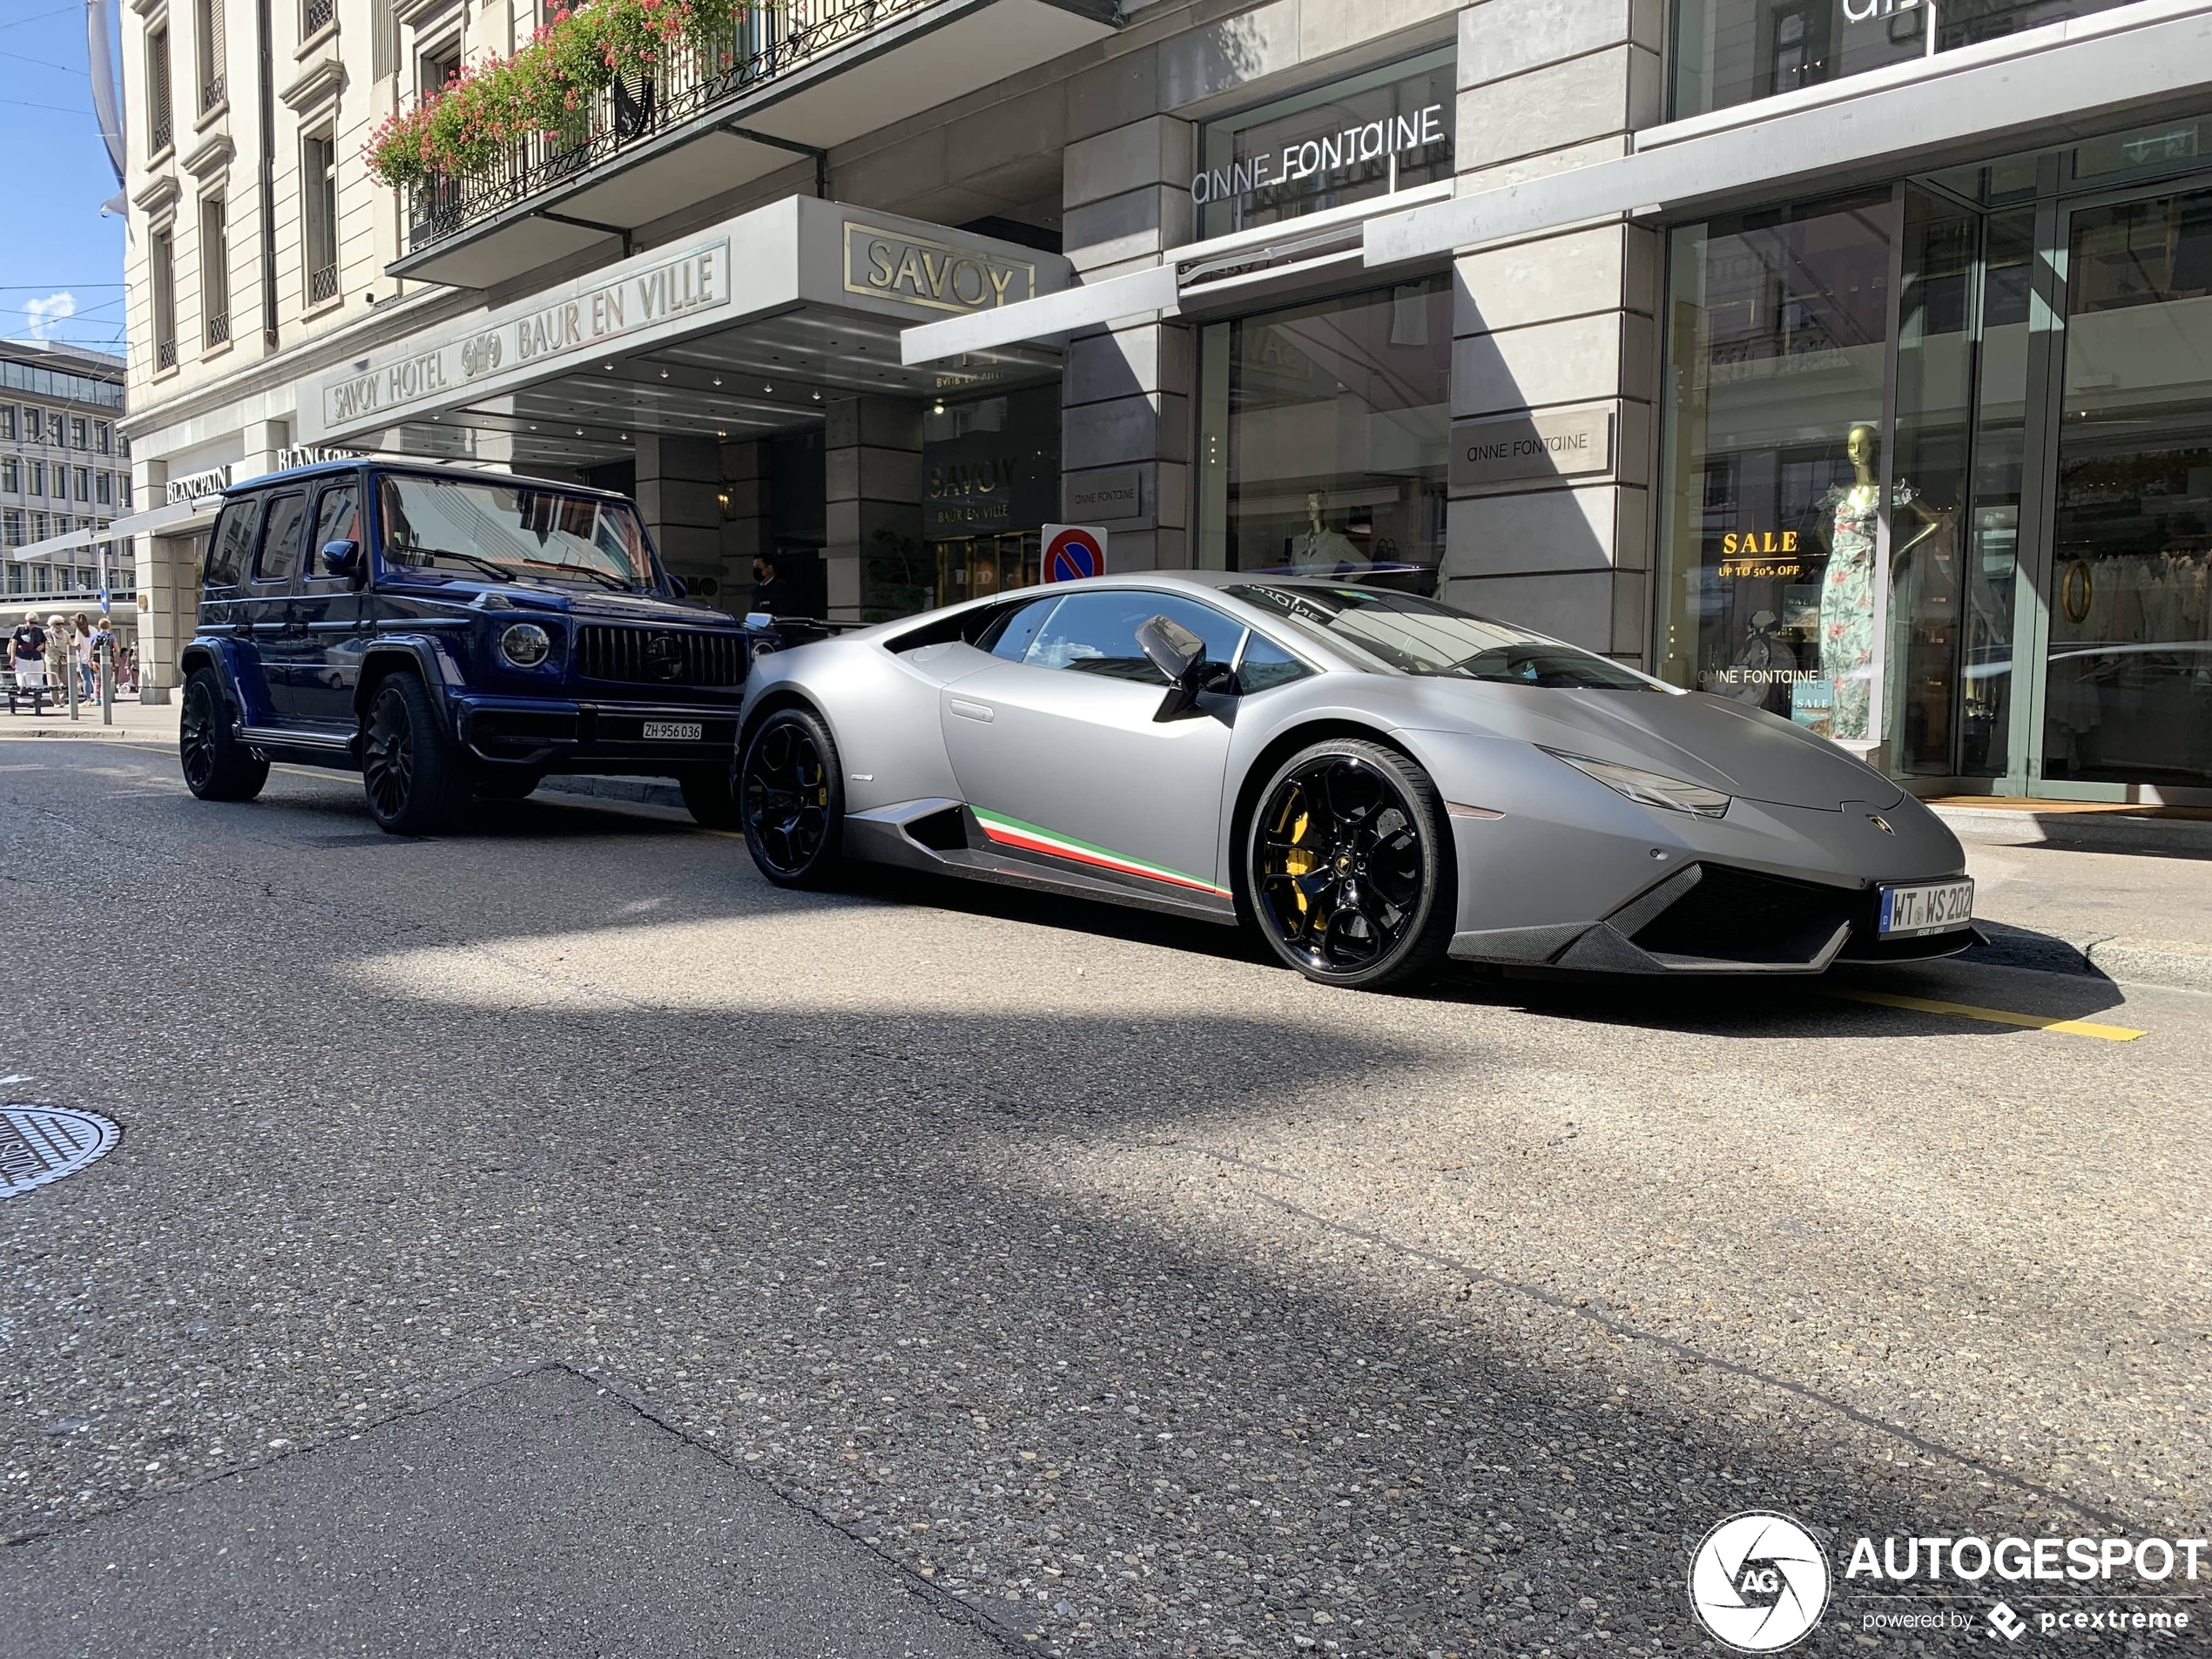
<point>1387,130</point>
<point>1733,51</point>
<point>1777,333</point>
<point>990,471</point>
<point>1323,435</point>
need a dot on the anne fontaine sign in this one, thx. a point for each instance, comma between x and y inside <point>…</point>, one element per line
<point>1315,158</point>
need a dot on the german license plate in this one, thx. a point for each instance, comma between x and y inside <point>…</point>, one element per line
<point>1908,912</point>
<point>674,731</point>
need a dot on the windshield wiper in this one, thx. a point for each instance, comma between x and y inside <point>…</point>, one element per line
<point>618,583</point>
<point>490,567</point>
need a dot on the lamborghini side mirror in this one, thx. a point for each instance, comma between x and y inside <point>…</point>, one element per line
<point>1171,648</point>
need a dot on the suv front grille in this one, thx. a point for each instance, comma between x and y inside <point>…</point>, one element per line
<point>660,656</point>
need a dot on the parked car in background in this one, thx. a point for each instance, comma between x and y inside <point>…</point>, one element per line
<point>450,634</point>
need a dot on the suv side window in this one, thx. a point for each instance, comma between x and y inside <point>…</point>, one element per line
<point>280,538</point>
<point>337,519</point>
<point>1095,632</point>
<point>232,542</point>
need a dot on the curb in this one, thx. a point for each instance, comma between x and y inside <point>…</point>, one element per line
<point>639,791</point>
<point>2171,963</point>
<point>2088,831</point>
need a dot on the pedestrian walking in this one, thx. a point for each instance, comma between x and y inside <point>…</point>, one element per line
<point>80,645</point>
<point>27,653</point>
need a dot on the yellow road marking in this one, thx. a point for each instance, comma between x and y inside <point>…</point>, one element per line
<point>1996,1016</point>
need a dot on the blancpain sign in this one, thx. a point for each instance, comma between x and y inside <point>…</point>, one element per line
<point>530,337</point>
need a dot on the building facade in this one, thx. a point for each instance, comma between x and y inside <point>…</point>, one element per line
<point>1851,358</point>
<point>65,477</point>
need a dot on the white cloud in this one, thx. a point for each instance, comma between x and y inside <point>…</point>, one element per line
<point>44,313</point>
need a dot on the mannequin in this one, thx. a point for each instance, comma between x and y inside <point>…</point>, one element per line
<point>1322,551</point>
<point>1849,518</point>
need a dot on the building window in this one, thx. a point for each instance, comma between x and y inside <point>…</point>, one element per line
<point>215,276</point>
<point>1733,51</point>
<point>164,302</point>
<point>103,488</point>
<point>80,433</point>
<point>314,16</point>
<point>8,421</point>
<point>122,490</point>
<point>11,474</point>
<point>160,129</point>
<point>34,426</point>
<point>319,206</point>
<point>439,64</point>
<point>1323,437</point>
<point>208,14</point>
<point>84,484</point>
<point>54,427</point>
<point>37,484</point>
<point>12,523</point>
<point>103,437</point>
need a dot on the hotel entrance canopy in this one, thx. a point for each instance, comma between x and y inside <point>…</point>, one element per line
<point>750,327</point>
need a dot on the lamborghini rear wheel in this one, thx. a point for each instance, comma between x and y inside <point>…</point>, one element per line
<point>791,800</point>
<point>1349,866</point>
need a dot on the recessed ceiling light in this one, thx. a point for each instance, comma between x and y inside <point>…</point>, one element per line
<point>938,408</point>
<point>720,433</point>
<point>767,388</point>
<point>818,397</point>
<point>664,374</point>
<point>718,379</point>
<point>610,365</point>
<point>579,432</point>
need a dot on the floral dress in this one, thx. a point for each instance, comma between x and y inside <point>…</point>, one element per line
<point>1847,601</point>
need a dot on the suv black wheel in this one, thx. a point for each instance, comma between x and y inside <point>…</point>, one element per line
<point>216,766</point>
<point>711,796</point>
<point>791,797</point>
<point>1349,866</point>
<point>415,784</point>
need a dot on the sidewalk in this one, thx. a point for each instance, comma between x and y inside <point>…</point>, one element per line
<point>133,719</point>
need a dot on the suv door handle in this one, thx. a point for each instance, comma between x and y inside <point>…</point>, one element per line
<point>968,710</point>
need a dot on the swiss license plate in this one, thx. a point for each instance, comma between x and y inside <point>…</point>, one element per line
<point>1910,912</point>
<point>674,731</point>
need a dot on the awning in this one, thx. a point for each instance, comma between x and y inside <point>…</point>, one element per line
<point>177,518</point>
<point>65,544</point>
<point>750,327</point>
<point>1222,274</point>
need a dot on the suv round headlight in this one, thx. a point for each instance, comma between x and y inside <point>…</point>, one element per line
<point>526,644</point>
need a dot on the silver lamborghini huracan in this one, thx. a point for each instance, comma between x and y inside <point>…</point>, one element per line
<point>1373,781</point>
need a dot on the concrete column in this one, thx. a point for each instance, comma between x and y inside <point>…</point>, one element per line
<point>871,490</point>
<point>745,526</point>
<point>679,486</point>
<point>1126,393</point>
<point>165,572</point>
<point>264,441</point>
<point>1559,323</point>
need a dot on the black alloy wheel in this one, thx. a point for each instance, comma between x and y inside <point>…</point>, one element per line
<point>791,799</point>
<point>1350,867</point>
<point>216,766</point>
<point>416,785</point>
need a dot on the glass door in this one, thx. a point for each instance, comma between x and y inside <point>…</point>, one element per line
<point>2127,587</point>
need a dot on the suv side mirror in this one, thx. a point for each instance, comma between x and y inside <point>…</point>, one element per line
<point>343,558</point>
<point>1180,655</point>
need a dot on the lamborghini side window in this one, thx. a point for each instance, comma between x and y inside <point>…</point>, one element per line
<point>1266,663</point>
<point>1010,636</point>
<point>1095,632</point>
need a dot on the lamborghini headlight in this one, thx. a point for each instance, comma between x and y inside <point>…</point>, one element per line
<point>1649,788</point>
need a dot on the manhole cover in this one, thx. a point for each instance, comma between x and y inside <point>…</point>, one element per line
<point>43,1144</point>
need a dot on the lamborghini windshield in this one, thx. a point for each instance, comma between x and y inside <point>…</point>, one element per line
<point>1400,632</point>
<point>513,532</point>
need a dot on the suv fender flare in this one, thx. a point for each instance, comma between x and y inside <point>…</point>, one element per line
<point>219,655</point>
<point>391,654</point>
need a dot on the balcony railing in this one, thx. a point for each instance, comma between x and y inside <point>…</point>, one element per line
<point>165,354</point>
<point>218,328</point>
<point>322,284</point>
<point>315,16</point>
<point>211,92</point>
<point>162,135</point>
<point>686,83</point>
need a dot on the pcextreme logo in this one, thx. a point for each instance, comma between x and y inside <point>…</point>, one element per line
<point>1758,1582</point>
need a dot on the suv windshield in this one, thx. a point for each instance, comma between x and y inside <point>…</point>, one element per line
<point>513,532</point>
<point>1414,636</point>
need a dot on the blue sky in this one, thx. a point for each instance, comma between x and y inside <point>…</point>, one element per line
<point>57,254</point>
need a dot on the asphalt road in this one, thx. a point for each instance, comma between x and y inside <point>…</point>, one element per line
<point>546,1231</point>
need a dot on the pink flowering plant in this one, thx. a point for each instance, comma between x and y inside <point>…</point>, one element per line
<point>548,86</point>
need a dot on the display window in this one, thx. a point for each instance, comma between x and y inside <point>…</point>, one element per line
<point>990,483</point>
<point>1323,437</point>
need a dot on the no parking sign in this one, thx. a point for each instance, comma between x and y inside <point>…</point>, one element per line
<point>1074,552</point>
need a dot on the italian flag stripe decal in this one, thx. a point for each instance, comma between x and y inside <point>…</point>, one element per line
<point>1012,832</point>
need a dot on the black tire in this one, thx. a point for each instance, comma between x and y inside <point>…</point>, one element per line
<point>791,798</point>
<point>505,783</point>
<point>216,766</point>
<point>1349,866</point>
<point>711,796</point>
<point>416,783</point>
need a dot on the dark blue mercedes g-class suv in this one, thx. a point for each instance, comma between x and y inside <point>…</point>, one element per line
<point>449,634</point>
